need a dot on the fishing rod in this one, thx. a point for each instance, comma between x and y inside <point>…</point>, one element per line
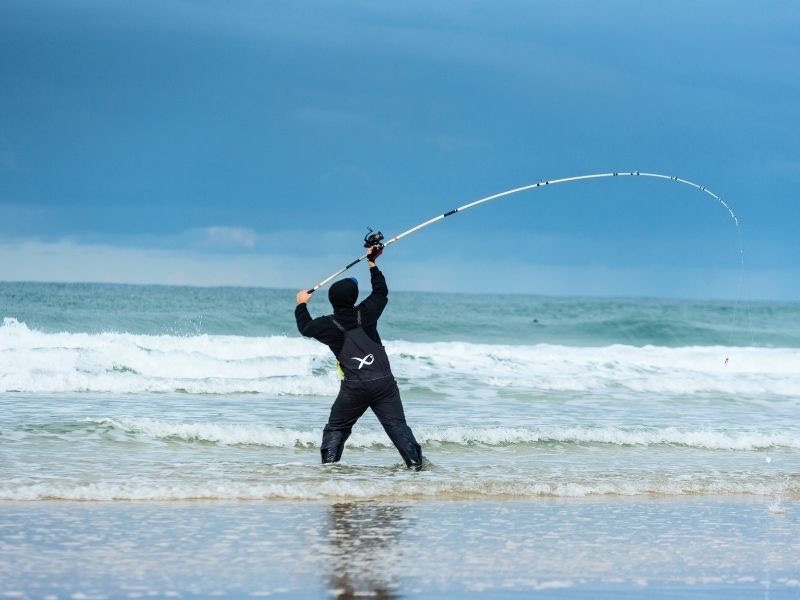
<point>376,238</point>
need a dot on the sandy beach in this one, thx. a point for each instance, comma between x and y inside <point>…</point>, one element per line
<point>580,548</point>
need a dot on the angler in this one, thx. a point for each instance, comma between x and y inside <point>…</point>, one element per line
<point>351,333</point>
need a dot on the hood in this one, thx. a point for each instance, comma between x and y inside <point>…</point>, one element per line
<point>343,294</point>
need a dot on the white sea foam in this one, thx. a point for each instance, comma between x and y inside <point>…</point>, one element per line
<point>124,363</point>
<point>282,437</point>
<point>655,369</point>
<point>327,485</point>
<point>34,361</point>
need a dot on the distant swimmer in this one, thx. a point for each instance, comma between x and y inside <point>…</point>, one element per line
<point>367,382</point>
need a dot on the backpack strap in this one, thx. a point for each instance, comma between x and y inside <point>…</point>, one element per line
<point>339,325</point>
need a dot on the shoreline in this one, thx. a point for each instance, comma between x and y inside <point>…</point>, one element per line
<point>710,546</point>
<point>769,501</point>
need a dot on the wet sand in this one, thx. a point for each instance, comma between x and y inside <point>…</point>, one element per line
<point>720,547</point>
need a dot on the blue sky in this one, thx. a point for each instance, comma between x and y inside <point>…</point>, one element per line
<point>252,143</point>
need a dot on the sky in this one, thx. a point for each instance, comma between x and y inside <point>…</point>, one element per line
<point>253,143</point>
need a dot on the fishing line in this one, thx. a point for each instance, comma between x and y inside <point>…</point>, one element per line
<point>532,186</point>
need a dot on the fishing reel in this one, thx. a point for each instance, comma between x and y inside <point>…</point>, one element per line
<point>373,238</point>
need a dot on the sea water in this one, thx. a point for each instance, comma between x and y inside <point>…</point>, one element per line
<point>164,442</point>
<point>176,393</point>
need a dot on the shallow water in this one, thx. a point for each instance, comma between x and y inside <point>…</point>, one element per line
<point>137,392</point>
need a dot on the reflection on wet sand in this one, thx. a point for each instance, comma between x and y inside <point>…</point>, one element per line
<point>362,549</point>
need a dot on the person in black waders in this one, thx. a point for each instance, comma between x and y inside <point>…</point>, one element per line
<point>367,382</point>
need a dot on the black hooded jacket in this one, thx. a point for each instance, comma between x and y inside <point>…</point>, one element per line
<point>342,296</point>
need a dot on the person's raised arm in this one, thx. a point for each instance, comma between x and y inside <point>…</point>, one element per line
<point>301,314</point>
<point>377,300</point>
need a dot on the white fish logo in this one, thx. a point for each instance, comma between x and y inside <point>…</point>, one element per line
<point>367,360</point>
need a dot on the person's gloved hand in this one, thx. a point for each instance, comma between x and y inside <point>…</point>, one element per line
<point>374,252</point>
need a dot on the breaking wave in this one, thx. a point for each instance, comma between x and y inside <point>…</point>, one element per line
<point>340,483</point>
<point>231,434</point>
<point>34,361</point>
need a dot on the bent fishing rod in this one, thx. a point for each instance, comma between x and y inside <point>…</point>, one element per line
<point>376,238</point>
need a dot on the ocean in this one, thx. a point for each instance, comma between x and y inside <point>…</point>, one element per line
<point>161,398</point>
